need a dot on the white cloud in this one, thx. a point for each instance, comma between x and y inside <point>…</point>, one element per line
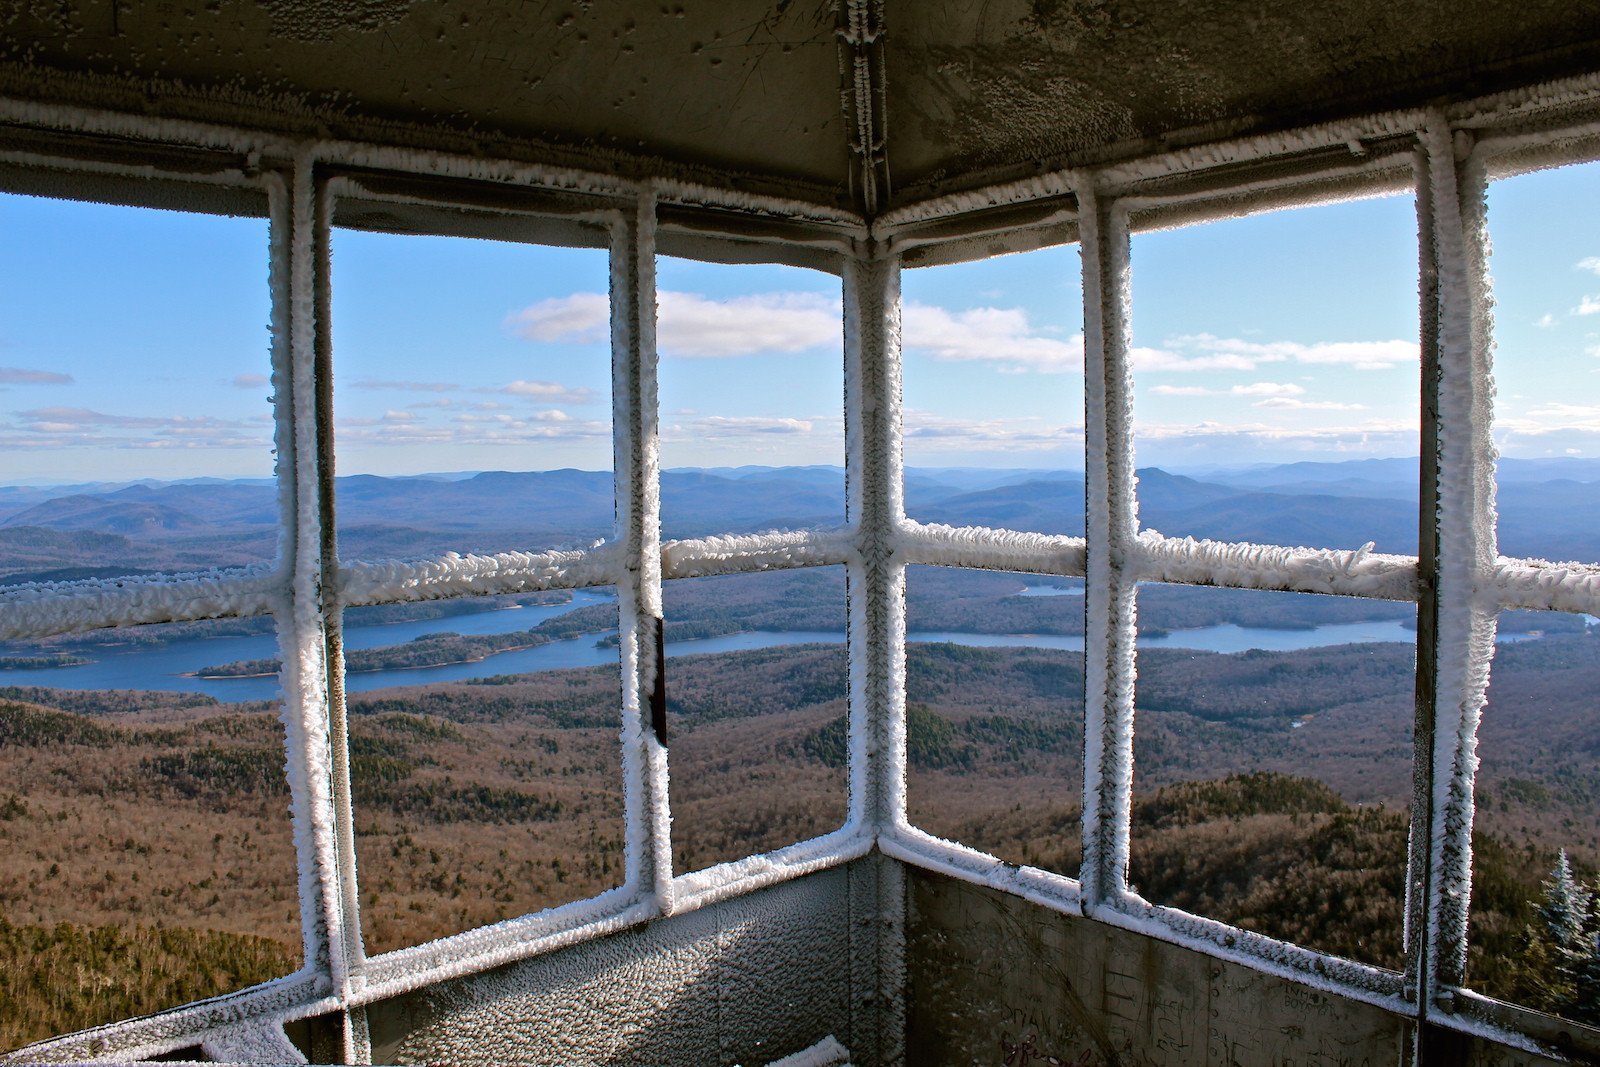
<point>688,324</point>
<point>1156,360</point>
<point>990,334</point>
<point>693,325</point>
<point>1207,352</point>
<point>404,386</point>
<point>741,425</point>
<point>696,326</point>
<point>1588,263</point>
<point>68,427</point>
<point>927,432</point>
<point>1182,390</point>
<point>1289,403</point>
<point>1590,305</point>
<point>582,318</point>
<point>1268,389</point>
<point>249,381</point>
<point>1556,416</point>
<point>548,392</point>
<point>1312,436</point>
<point>468,429</point>
<point>85,417</point>
<point>30,376</point>
<point>1362,355</point>
<point>1545,321</point>
<point>1550,429</point>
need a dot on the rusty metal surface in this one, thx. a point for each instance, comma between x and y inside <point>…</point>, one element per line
<point>993,979</point>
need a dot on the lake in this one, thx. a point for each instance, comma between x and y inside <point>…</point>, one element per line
<point>169,666</point>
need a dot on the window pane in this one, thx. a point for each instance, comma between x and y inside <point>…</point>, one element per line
<point>484,763</point>
<point>994,705</point>
<point>472,384</point>
<point>756,703</point>
<point>752,398</point>
<point>1533,932</point>
<point>1546,263</point>
<point>150,857</point>
<point>1272,755</point>
<point>134,385</point>
<point>1277,381</point>
<point>994,392</point>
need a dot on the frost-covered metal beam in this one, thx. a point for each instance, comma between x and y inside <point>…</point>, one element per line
<point>1465,538</point>
<point>637,463</point>
<point>1419,846</point>
<point>1113,550</point>
<point>1240,565</point>
<point>737,877</point>
<point>255,144</point>
<point>45,609</point>
<point>394,581</point>
<point>1539,585</point>
<point>315,754</point>
<point>137,1040</point>
<point>876,621</point>
<point>875,506</point>
<point>978,546</point>
<point>752,553</point>
<point>315,429</point>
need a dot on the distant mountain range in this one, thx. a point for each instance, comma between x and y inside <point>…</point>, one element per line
<point>1547,509</point>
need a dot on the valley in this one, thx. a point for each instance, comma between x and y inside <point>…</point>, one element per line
<point>144,804</point>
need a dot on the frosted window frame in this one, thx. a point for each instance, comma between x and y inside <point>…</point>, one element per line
<point>1457,152</point>
<point>1457,386</point>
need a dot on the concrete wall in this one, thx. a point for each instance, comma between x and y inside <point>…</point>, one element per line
<point>994,979</point>
<point>989,979</point>
<point>746,981</point>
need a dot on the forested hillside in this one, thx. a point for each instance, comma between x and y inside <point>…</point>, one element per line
<point>150,858</point>
<point>155,826</point>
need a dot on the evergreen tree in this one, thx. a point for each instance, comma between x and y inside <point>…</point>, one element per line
<point>1558,966</point>
<point>1533,975</point>
<point>1551,953</point>
<point>1566,906</point>
<point>1584,1003</point>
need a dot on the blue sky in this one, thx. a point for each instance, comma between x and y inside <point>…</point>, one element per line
<point>133,343</point>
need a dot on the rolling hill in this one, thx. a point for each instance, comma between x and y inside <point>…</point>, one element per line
<point>1547,509</point>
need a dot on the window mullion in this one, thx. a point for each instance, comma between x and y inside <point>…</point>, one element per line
<point>1112,528</point>
<point>638,494</point>
<point>875,505</point>
<point>1419,852</point>
<point>1464,628</point>
<point>356,1045</point>
<point>301,221</point>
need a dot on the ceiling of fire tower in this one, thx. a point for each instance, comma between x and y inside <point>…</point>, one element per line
<point>767,94</point>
